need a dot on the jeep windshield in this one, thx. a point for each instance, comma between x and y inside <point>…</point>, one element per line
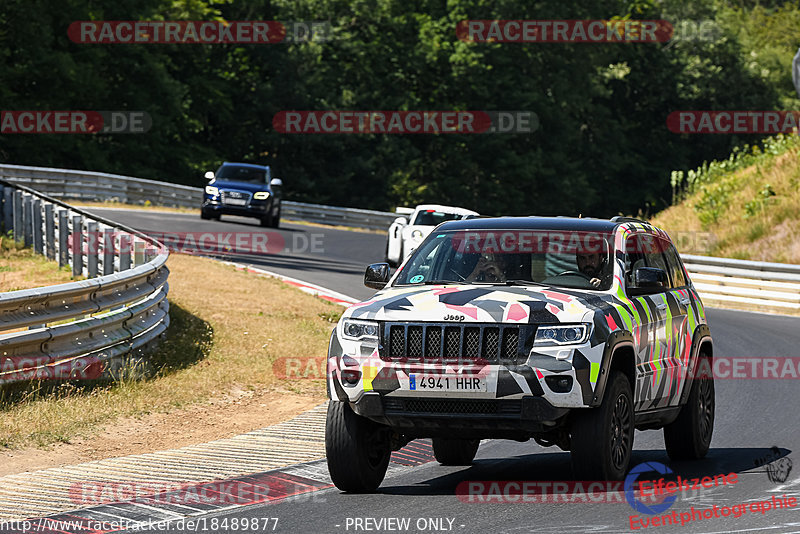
<point>568,259</point>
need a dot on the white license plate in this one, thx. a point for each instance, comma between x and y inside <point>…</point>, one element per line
<point>431,382</point>
<point>235,201</point>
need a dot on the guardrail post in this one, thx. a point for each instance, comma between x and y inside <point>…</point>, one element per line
<point>138,252</point>
<point>36,219</point>
<point>27,220</point>
<point>92,240</point>
<point>18,230</point>
<point>125,245</point>
<point>63,238</point>
<point>77,245</point>
<point>8,209</point>
<point>49,232</point>
<point>108,251</point>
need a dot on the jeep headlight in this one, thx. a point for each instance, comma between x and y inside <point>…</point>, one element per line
<point>567,334</point>
<point>358,330</point>
<point>261,195</point>
<point>211,190</point>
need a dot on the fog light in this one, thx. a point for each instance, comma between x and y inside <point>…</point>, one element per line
<point>559,384</point>
<point>350,377</point>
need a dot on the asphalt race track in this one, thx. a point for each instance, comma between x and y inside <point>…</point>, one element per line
<point>752,417</point>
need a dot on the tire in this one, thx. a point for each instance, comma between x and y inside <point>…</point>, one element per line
<point>205,215</point>
<point>689,436</point>
<point>358,449</point>
<point>455,451</point>
<point>276,219</point>
<point>266,221</point>
<point>602,438</point>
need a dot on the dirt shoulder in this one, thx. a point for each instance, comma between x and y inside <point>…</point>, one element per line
<point>228,328</point>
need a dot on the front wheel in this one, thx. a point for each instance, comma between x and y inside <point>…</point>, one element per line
<point>276,219</point>
<point>689,436</point>
<point>455,451</point>
<point>602,438</point>
<point>358,449</point>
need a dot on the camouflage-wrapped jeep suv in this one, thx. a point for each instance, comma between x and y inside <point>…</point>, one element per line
<point>572,332</point>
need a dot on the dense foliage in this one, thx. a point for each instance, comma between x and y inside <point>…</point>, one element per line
<point>602,146</point>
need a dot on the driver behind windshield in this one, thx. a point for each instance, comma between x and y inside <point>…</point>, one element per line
<point>592,265</point>
<point>490,268</point>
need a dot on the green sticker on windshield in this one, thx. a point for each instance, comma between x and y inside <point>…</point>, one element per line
<point>440,235</point>
<point>416,279</point>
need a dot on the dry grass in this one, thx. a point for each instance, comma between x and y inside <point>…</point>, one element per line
<point>752,223</point>
<point>20,268</point>
<point>227,328</point>
<point>124,205</point>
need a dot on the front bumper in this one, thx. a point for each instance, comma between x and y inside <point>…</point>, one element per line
<point>469,418</point>
<point>255,208</point>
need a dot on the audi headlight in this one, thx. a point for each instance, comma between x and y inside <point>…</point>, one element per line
<point>568,334</point>
<point>357,330</point>
<point>211,190</point>
<point>261,195</point>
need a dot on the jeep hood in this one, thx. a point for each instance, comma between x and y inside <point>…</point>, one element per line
<point>476,304</point>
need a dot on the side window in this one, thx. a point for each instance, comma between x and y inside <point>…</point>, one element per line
<point>633,257</point>
<point>675,267</point>
<point>653,249</point>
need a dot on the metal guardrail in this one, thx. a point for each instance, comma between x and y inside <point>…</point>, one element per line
<point>88,328</point>
<point>86,185</point>
<point>750,285</point>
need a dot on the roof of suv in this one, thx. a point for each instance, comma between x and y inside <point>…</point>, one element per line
<point>251,165</point>
<point>538,223</point>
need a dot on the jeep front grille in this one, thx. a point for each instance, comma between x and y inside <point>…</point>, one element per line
<point>471,342</point>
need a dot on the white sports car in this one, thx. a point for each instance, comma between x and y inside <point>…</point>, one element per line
<point>404,238</point>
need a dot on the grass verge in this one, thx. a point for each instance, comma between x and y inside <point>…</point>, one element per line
<point>20,268</point>
<point>227,328</point>
<point>751,210</point>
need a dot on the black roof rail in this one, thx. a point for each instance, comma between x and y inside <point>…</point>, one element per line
<point>621,219</point>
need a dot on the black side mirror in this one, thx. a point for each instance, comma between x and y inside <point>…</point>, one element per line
<point>648,280</point>
<point>377,275</point>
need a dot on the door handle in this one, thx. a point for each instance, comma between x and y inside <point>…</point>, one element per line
<point>661,306</point>
<point>685,301</point>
